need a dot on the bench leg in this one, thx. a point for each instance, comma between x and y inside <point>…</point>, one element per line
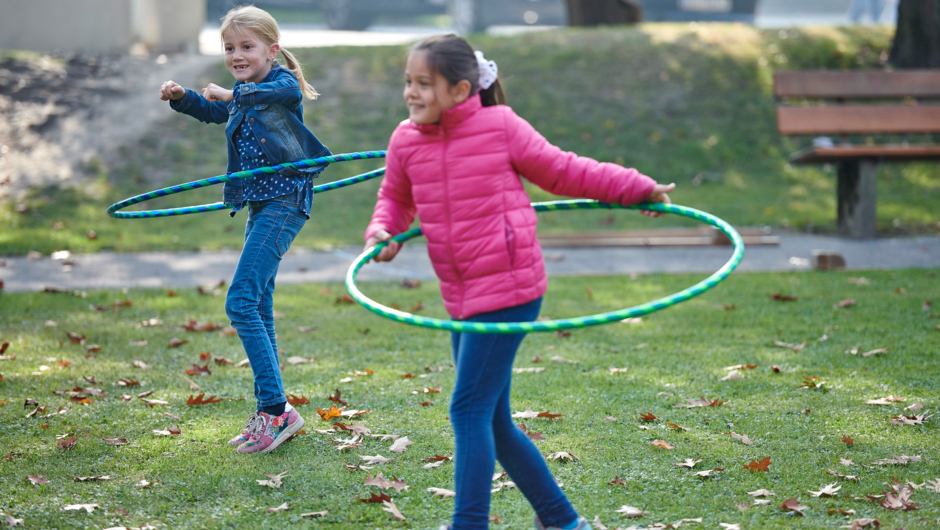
<point>857,198</point>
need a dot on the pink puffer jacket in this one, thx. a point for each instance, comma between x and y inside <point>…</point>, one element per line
<point>462,179</point>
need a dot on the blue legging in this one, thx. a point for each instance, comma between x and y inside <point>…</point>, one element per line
<point>484,430</point>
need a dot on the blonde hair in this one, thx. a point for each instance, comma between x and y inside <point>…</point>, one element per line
<point>262,24</point>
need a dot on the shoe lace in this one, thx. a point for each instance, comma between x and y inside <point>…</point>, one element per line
<point>255,425</point>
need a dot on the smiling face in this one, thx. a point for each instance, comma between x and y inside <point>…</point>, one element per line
<point>428,94</point>
<point>246,55</point>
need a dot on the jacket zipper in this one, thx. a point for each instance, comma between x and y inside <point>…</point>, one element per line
<point>450,227</point>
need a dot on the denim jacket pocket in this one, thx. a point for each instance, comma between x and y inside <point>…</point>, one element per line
<point>233,192</point>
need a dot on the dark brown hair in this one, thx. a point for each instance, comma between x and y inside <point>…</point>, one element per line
<point>452,57</point>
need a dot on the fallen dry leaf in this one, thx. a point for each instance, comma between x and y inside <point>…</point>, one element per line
<point>400,445</point>
<point>87,507</point>
<point>441,492</point>
<point>297,401</point>
<point>689,463</point>
<point>793,505</point>
<point>37,479</point>
<point>761,493</point>
<point>274,481</point>
<point>828,490</point>
<point>176,343</point>
<point>630,511</point>
<point>742,437</point>
<point>897,460</point>
<point>315,514</point>
<point>381,497</point>
<point>198,370</point>
<point>563,456</point>
<point>280,508</point>
<point>836,474</point>
<point>783,297</point>
<point>67,443</point>
<point>377,459</point>
<point>92,479</point>
<point>758,466</point>
<point>617,480</point>
<point>796,347</point>
<point>202,400</point>
<point>700,402</point>
<point>169,431</point>
<point>663,444</point>
<point>141,364</point>
<point>390,507</point>
<point>848,302</point>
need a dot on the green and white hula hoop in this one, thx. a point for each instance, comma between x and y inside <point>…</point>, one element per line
<point>568,323</point>
<point>300,164</point>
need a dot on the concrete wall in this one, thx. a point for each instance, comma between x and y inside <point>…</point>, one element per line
<point>101,25</point>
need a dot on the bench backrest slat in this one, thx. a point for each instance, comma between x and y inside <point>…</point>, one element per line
<point>858,119</point>
<point>858,84</point>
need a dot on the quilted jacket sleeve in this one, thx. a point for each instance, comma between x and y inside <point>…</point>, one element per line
<point>564,173</point>
<point>395,208</point>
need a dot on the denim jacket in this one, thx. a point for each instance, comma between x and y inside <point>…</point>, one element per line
<point>275,114</point>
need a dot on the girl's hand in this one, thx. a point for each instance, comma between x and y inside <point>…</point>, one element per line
<point>172,90</point>
<point>214,93</point>
<point>658,195</point>
<point>389,252</point>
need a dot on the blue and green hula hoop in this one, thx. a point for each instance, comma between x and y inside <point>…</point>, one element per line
<point>113,210</point>
<point>569,323</point>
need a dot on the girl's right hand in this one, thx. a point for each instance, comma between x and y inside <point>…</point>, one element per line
<point>172,90</point>
<point>389,252</point>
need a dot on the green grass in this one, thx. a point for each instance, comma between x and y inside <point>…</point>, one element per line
<point>686,103</point>
<point>200,483</point>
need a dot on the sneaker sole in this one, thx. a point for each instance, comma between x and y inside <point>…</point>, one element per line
<point>286,435</point>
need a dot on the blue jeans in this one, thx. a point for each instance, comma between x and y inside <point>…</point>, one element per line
<point>272,226</point>
<point>484,430</point>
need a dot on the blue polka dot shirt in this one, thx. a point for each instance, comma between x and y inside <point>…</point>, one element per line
<point>271,185</point>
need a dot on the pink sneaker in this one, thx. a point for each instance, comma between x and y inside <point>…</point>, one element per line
<point>246,433</point>
<point>266,432</point>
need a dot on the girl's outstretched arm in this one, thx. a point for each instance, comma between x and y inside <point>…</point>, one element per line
<point>283,90</point>
<point>395,208</point>
<point>565,173</point>
<point>189,102</point>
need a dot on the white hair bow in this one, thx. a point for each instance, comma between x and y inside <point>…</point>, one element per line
<point>488,71</point>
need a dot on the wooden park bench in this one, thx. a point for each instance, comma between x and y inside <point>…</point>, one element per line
<point>892,106</point>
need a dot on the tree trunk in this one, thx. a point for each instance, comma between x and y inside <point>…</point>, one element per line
<point>597,12</point>
<point>917,40</point>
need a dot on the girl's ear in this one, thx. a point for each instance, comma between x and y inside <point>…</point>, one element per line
<point>460,91</point>
<point>273,50</point>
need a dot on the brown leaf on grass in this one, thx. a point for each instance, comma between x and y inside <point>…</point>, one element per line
<point>742,437</point>
<point>115,441</point>
<point>337,398</point>
<point>141,364</point>
<point>37,479</point>
<point>741,367</point>
<point>202,400</point>
<point>93,348</point>
<point>860,524</point>
<point>193,325</point>
<point>897,460</point>
<point>648,417</point>
<point>171,430</point>
<point>530,369</point>
<point>345,299</point>
<point>675,427</point>
<point>783,297</point>
<point>887,400</point>
<point>874,352</point>
<point>99,478</point>
<point>775,369</point>
<point>898,499</point>
<point>630,511</point>
<point>441,492</point>
<point>707,472</point>
<point>912,419</point>
<point>204,356</point>
<point>813,383</point>
<point>562,334</point>
<point>848,302</point>
<point>563,456</point>
<point>296,401</point>
<point>222,360</point>
<point>75,338</point>
<point>87,507</point>
<point>281,508</point>
<point>689,463</point>
<point>534,436</point>
<point>400,445</point>
<point>274,481</point>
<point>613,370</point>
<point>229,332</point>
<point>176,343</point>
<point>192,384</point>
<point>848,440</point>
<point>332,412</point>
<point>617,480</point>
<point>296,359</point>
<point>385,483</point>
<point>427,403</point>
<point>834,473</point>
<point>410,284</point>
<point>761,493</point>
<point>198,370</point>
<point>143,483</point>
<point>381,497</point>
<point>426,390</point>
<point>793,505</point>
<point>67,443</point>
<point>733,376</point>
<point>560,359</point>
<point>377,459</point>
<point>840,511</point>
<point>407,376</point>
<point>828,490</point>
<point>796,347</point>
<point>390,507</point>
<point>762,465</point>
<point>315,514</point>
<point>128,382</point>
<point>663,444</point>
<point>700,402</point>
<point>436,458</point>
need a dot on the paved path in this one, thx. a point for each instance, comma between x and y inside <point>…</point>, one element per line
<point>167,269</point>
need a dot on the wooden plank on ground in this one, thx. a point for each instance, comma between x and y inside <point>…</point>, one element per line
<point>858,119</point>
<point>857,84</point>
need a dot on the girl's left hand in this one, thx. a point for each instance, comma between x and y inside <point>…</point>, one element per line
<point>659,194</point>
<point>214,93</point>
